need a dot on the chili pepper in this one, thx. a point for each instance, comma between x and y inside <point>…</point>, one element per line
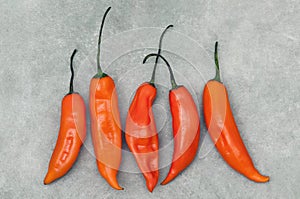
<point>105,122</point>
<point>186,125</point>
<point>71,135</point>
<point>223,130</point>
<point>141,134</point>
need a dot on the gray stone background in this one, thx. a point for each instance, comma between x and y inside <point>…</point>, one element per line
<point>259,59</point>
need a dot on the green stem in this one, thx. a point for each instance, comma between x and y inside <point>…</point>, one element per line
<point>159,51</point>
<point>99,42</point>
<point>217,77</point>
<point>72,71</point>
<point>172,78</point>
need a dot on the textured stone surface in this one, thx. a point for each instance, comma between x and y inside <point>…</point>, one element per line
<point>259,59</point>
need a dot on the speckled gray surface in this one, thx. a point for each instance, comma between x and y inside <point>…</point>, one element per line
<point>259,58</point>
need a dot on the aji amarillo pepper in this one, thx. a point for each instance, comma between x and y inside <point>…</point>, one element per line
<point>223,130</point>
<point>141,134</point>
<point>186,126</point>
<point>71,135</point>
<point>105,122</point>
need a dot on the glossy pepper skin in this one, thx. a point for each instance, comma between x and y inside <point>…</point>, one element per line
<point>105,122</point>
<point>141,134</point>
<point>186,126</point>
<point>71,135</point>
<point>223,130</point>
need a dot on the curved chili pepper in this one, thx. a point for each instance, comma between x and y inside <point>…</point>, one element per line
<point>71,135</point>
<point>105,122</point>
<point>223,130</point>
<point>186,126</point>
<point>141,134</point>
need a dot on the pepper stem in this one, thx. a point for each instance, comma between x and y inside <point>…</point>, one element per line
<point>217,77</point>
<point>159,51</point>
<point>172,78</point>
<point>72,71</point>
<point>99,42</point>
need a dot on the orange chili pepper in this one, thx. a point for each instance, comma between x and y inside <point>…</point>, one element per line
<point>141,134</point>
<point>105,122</point>
<point>186,126</point>
<point>71,135</point>
<point>223,130</point>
